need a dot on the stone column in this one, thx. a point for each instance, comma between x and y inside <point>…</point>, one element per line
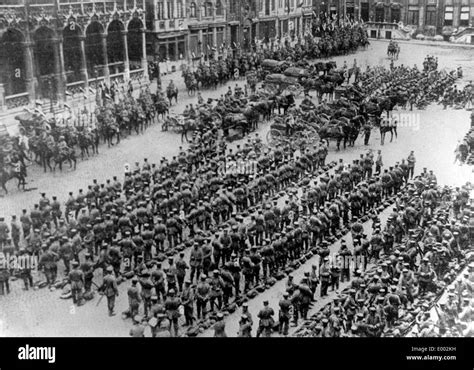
<point>84,74</point>
<point>144,60</point>
<point>30,79</point>
<point>126,62</point>
<point>105,57</point>
<point>421,18</point>
<point>58,68</point>
<point>63,69</point>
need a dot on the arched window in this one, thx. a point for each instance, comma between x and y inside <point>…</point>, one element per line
<point>208,11</point>
<point>219,10</point>
<point>193,10</point>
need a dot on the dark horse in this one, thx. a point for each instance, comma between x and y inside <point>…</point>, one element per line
<point>61,156</point>
<point>6,174</point>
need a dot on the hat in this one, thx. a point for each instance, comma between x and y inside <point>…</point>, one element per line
<point>110,269</point>
<point>137,318</point>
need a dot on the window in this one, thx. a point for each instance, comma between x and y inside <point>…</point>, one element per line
<point>170,9</point>
<point>431,15</point>
<point>379,14</point>
<point>159,10</point>
<point>448,16</point>
<point>280,4</point>
<point>413,15</point>
<point>193,10</point>
<point>179,10</point>
<point>273,4</point>
<point>464,19</point>
<point>233,6</point>
<point>208,9</point>
<point>219,10</point>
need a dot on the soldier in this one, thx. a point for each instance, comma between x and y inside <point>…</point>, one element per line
<point>195,261</point>
<point>171,275</point>
<point>158,279</point>
<point>203,290</point>
<point>284,314</point>
<point>266,320</point>
<point>138,329</point>
<point>24,261</point>
<point>219,326</point>
<point>110,290</point>
<point>411,164</point>
<point>325,276</point>
<point>172,304</point>
<point>181,267</point>
<point>47,262</point>
<point>76,278</point>
<point>245,327</point>
<point>15,231</point>
<point>134,298</point>
<point>146,285</point>
<point>26,223</point>
<point>187,299</point>
<point>4,231</point>
<point>216,293</point>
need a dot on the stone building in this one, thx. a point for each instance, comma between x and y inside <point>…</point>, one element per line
<point>54,49</point>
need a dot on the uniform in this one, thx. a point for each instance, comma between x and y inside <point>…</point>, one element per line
<point>110,289</point>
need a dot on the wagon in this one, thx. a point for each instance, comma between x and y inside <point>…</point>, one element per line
<point>296,72</point>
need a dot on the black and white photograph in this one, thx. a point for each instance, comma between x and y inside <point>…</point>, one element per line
<point>237,168</point>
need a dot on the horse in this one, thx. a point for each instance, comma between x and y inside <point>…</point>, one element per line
<point>386,125</point>
<point>172,93</point>
<point>8,173</point>
<point>60,156</point>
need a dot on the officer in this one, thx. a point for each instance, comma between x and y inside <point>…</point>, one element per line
<point>109,289</point>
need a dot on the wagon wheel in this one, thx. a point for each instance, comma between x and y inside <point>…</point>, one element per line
<point>274,136</point>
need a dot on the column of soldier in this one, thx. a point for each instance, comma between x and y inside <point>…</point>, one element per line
<point>409,276</point>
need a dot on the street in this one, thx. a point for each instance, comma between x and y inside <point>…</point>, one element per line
<point>432,134</point>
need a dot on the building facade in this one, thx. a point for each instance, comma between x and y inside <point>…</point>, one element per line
<point>437,15</point>
<point>53,49</point>
<point>185,29</point>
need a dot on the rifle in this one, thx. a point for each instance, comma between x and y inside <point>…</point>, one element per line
<point>100,299</point>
